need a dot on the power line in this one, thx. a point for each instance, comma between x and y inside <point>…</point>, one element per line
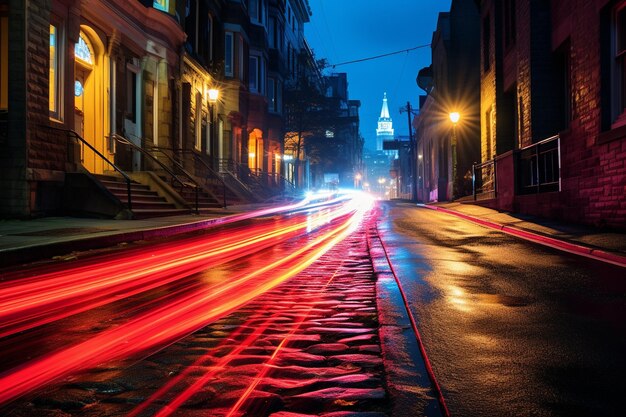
<point>378,56</point>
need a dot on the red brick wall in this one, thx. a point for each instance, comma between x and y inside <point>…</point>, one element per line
<point>593,170</point>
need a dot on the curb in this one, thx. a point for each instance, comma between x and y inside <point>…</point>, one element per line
<point>12,257</point>
<point>559,244</point>
<point>398,329</point>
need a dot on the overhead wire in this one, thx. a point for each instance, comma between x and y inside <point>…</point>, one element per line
<point>379,56</point>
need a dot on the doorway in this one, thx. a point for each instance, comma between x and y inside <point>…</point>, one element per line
<point>90,100</point>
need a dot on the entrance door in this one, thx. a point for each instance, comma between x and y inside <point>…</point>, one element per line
<point>132,118</point>
<point>90,100</point>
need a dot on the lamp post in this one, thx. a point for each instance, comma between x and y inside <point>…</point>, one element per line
<point>213,96</point>
<point>454,118</point>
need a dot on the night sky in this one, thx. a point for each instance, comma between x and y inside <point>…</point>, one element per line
<point>346,30</point>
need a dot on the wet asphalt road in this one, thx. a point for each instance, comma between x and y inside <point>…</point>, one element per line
<point>511,328</point>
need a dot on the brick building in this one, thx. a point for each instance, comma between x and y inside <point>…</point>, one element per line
<point>452,84</point>
<point>103,100</point>
<point>553,102</point>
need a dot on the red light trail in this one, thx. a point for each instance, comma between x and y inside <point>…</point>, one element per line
<point>29,301</point>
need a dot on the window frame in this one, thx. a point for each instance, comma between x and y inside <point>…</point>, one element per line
<point>56,113</point>
<point>254,76</point>
<point>229,61</point>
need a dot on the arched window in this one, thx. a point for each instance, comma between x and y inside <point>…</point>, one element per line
<point>163,5</point>
<point>83,50</point>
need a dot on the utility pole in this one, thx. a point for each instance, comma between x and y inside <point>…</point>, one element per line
<point>413,151</point>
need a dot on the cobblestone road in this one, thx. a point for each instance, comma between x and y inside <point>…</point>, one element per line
<point>309,347</point>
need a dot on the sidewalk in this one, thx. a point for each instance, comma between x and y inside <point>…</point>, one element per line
<point>24,241</point>
<point>603,245</point>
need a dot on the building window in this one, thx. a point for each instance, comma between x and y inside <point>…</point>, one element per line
<point>191,25</point>
<point>272,33</point>
<point>562,71</point>
<point>55,69</point>
<point>82,50</point>
<point>486,43</point>
<point>131,95</point>
<point>274,95</point>
<point>508,9</point>
<point>619,67</point>
<point>253,9</point>
<point>4,62</point>
<point>228,54</point>
<point>163,5</point>
<point>254,74</point>
<point>257,74</point>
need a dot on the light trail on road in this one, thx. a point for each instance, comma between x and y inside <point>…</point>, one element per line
<point>35,300</point>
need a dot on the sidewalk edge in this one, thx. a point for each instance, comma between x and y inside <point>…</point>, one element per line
<point>570,247</point>
<point>12,257</point>
<point>389,287</point>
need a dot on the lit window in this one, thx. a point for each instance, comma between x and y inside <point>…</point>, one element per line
<point>163,5</point>
<point>54,88</point>
<point>4,62</point>
<point>82,50</point>
<point>228,54</point>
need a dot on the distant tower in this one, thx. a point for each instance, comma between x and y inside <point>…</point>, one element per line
<point>385,128</point>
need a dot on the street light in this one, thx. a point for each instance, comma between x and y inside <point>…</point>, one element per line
<point>454,118</point>
<point>213,95</point>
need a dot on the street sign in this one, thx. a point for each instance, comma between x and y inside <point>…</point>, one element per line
<point>391,145</point>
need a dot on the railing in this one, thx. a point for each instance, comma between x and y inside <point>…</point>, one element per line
<point>70,156</point>
<point>173,177</point>
<point>214,175</point>
<point>539,167</point>
<point>256,180</point>
<point>484,180</point>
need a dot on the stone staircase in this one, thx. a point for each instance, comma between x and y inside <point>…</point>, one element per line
<point>146,203</point>
<point>206,201</point>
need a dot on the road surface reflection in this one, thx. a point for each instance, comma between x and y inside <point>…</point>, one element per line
<point>136,301</point>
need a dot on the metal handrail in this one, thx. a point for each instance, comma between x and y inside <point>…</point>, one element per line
<point>479,167</point>
<point>215,175</point>
<point>121,139</point>
<point>104,158</point>
<point>538,157</point>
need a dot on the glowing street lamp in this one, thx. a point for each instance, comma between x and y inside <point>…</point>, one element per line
<point>213,95</point>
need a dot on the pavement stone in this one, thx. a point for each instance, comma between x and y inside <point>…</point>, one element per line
<point>349,352</point>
